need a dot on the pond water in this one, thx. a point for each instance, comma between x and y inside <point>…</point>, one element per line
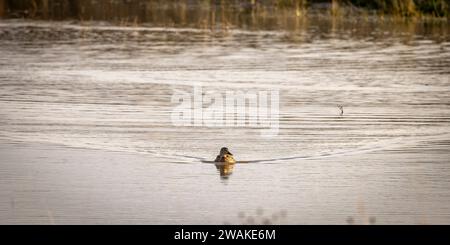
<point>86,130</point>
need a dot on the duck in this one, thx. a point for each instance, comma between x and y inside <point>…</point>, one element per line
<point>225,156</point>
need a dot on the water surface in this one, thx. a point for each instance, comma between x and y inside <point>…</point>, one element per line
<point>86,133</point>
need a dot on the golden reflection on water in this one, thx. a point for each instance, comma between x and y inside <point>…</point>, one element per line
<point>225,169</point>
<point>226,15</point>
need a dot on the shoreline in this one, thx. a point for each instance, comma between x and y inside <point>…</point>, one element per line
<point>228,14</point>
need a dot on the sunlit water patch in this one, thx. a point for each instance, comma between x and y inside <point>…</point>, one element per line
<point>110,87</point>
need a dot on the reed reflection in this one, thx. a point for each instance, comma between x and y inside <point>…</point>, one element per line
<point>298,17</point>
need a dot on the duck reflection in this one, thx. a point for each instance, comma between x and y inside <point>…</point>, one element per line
<point>225,169</point>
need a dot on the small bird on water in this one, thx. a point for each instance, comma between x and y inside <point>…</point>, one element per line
<point>225,156</point>
<point>341,108</point>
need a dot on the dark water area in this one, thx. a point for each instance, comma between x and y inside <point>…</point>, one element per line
<point>296,16</point>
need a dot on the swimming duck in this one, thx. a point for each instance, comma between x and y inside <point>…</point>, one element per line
<point>225,156</point>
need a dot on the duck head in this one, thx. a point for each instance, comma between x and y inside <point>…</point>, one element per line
<point>224,151</point>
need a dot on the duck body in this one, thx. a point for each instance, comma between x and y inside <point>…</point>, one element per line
<point>225,156</point>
